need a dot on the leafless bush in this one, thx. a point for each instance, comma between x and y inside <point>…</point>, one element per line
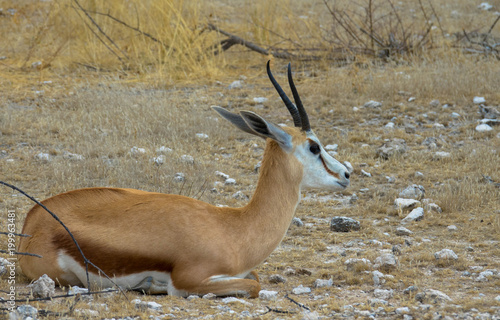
<point>379,28</point>
<point>480,43</point>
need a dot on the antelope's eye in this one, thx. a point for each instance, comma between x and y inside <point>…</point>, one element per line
<point>314,148</point>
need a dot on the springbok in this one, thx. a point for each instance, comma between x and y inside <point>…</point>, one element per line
<point>163,243</point>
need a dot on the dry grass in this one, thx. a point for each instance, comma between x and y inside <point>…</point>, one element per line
<point>162,98</point>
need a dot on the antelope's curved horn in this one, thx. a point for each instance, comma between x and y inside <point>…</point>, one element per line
<point>290,106</point>
<point>300,107</point>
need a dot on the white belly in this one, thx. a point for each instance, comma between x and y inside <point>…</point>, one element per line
<point>152,282</point>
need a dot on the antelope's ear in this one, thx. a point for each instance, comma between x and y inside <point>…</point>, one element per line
<point>265,129</point>
<point>234,118</point>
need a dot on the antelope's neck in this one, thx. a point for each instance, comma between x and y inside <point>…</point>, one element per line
<point>277,195</point>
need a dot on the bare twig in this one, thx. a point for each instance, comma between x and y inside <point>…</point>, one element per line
<point>100,29</point>
<point>491,28</point>
<point>98,38</point>
<point>437,18</point>
<point>233,39</point>
<point>137,29</point>
<point>297,303</point>
<point>276,311</point>
<point>16,234</point>
<point>21,253</point>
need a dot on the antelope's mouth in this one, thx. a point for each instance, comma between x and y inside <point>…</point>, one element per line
<point>336,175</point>
<point>343,185</point>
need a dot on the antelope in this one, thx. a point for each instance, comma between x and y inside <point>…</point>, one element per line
<point>171,244</point>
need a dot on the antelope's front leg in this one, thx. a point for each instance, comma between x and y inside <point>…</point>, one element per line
<point>223,286</point>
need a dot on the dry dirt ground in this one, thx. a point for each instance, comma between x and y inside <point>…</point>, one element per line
<point>63,130</point>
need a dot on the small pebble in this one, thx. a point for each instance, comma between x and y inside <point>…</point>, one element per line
<point>478,100</point>
<point>301,290</point>
<point>446,254</point>
<point>483,127</point>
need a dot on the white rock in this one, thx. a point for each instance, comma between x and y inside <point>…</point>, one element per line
<point>452,228</point>
<point>163,150</point>
<point>310,315</point>
<point>478,100</point>
<point>401,203</point>
<point>202,136</point>
<point>490,121</point>
<point>277,278</point>
<point>43,287</point>
<point>438,125</point>
<point>72,156</point>
<point>438,155</point>
<point>187,159</point>
<point>389,125</point>
<point>402,310</point>
<point>230,181</point>
<point>432,207</point>
<point>268,295</point>
<point>386,261</point>
<point>366,174</point>
<point>331,147</point>
<point>236,84</point>
<point>26,311</point>
<point>411,99</point>
<point>431,295</point>
<point>375,242</point>
<point>455,115</point>
<point>352,262</point>
<point>301,290</point>
<point>209,296</point>
<point>484,6</point>
<point>402,231</point>
<point>483,276</point>
<point>143,305</point>
<point>377,277</point>
<point>413,192</point>
<point>36,64</point>
<point>233,300</point>
<point>445,254</point>
<point>42,157</point>
<point>376,301</point>
<point>77,290</point>
<point>372,104</point>
<point>239,195</point>
<point>159,160</point>
<point>296,221</point>
<point>434,103</point>
<point>483,127</point>
<point>221,175</point>
<point>259,99</point>
<point>136,150</point>
<point>4,264</point>
<point>355,109</point>
<point>415,215</point>
<point>497,298</point>
<point>179,177</point>
<point>383,294</point>
<point>321,283</point>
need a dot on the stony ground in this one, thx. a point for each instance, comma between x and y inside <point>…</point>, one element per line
<point>435,255</point>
